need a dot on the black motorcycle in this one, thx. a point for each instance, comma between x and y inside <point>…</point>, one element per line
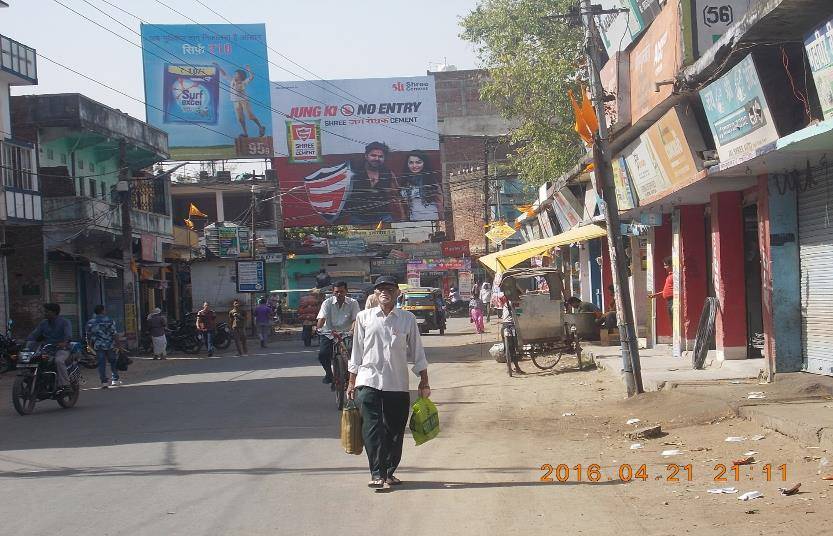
<point>222,336</point>
<point>181,337</point>
<point>8,349</point>
<point>37,378</point>
<point>456,309</point>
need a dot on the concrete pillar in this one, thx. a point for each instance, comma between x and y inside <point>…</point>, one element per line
<point>780,279</point>
<point>689,274</point>
<point>638,286</point>
<point>728,275</point>
<point>221,215</point>
<point>585,283</point>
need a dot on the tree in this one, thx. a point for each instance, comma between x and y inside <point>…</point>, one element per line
<point>532,61</point>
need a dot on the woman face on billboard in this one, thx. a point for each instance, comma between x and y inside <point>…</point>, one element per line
<point>415,164</point>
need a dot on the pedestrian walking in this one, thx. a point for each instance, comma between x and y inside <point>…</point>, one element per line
<point>101,335</point>
<point>157,324</point>
<point>237,321</point>
<point>385,340</point>
<point>206,325</point>
<point>263,321</point>
<point>476,313</point>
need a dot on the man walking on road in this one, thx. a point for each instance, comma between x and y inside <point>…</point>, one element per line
<point>263,320</point>
<point>157,324</point>
<point>101,332</point>
<point>237,322</point>
<point>206,324</point>
<point>385,340</point>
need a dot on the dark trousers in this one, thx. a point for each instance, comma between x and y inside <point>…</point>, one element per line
<point>325,355</point>
<point>669,303</point>
<point>384,416</point>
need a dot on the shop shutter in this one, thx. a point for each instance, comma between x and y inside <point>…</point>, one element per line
<point>63,281</point>
<point>815,239</point>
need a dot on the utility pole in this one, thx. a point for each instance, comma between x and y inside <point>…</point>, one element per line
<point>605,187</point>
<point>252,297</point>
<point>131,326</point>
<point>487,208</point>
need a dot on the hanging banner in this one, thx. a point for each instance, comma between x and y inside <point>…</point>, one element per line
<point>207,87</point>
<point>624,193</point>
<point>819,45</point>
<point>360,152</point>
<point>499,233</point>
<point>464,281</point>
<point>738,114</point>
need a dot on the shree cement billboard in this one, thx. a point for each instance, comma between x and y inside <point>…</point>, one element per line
<point>359,152</point>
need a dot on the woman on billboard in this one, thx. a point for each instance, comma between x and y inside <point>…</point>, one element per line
<point>421,189</point>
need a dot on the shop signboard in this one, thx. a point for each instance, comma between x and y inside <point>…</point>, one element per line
<point>619,30</point>
<point>675,141</point>
<point>345,246</point>
<point>711,20</point>
<point>251,276</point>
<point>271,258</point>
<point>566,206</point>
<point>455,248</point>
<point>359,160</point>
<point>388,266</point>
<point>464,281</point>
<point>428,249</point>
<point>738,114</point>
<point>624,192</point>
<point>413,279</point>
<point>546,224</point>
<point>499,233</point>
<point>441,264</point>
<point>655,58</point>
<point>643,169</point>
<point>819,45</point>
<point>200,80</point>
<point>383,236</point>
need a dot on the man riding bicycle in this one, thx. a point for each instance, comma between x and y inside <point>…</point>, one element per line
<point>336,317</point>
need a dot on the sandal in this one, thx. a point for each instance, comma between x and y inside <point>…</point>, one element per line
<point>376,483</point>
<point>393,481</point>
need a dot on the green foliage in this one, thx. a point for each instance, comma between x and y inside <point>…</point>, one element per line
<point>532,62</point>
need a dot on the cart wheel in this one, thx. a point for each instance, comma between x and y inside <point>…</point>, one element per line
<point>546,361</point>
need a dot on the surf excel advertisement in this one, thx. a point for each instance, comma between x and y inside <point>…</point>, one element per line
<point>207,86</point>
<point>358,152</point>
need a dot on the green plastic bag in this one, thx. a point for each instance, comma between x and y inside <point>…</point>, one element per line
<point>425,420</point>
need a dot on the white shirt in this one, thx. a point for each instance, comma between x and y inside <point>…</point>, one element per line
<point>338,317</point>
<point>382,347</point>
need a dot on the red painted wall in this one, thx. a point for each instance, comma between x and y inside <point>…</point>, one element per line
<point>728,257</point>
<point>662,249</point>
<point>693,266</point>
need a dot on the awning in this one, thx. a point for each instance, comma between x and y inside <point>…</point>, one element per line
<point>503,260</point>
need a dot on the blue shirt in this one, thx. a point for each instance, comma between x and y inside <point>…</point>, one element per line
<point>53,332</point>
<point>101,330</point>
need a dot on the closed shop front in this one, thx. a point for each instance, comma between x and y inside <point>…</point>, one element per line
<point>815,239</point>
<point>63,287</point>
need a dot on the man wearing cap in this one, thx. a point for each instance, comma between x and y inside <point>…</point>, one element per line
<point>385,340</point>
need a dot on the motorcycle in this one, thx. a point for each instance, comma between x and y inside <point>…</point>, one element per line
<point>87,357</point>
<point>8,349</point>
<point>182,337</point>
<point>456,309</point>
<point>222,336</point>
<point>37,378</point>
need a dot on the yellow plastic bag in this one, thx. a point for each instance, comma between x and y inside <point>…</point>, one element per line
<point>351,429</point>
<point>425,420</point>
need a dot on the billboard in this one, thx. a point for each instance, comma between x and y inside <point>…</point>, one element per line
<point>655,58</point>
<point>819,45</point>
<point>207,86</point>
<point>359,152</point>
<point>738,114</point>
<point>712,18</point>
<point>619,30</point>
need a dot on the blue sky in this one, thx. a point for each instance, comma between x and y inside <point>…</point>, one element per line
<point>332,38</point>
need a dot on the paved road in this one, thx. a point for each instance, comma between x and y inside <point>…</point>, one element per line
<point>249,446</point>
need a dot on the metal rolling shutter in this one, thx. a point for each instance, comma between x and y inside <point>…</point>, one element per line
<point>815,240</point>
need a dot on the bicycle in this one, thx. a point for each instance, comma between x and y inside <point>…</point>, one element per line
<point>341,354</point>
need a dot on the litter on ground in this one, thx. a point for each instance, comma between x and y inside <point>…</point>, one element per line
<point>749,495</point>
<point>735,439</point>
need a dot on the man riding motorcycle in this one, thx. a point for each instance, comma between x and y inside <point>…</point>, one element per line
<point>337,314</point>
<point>56,330</point>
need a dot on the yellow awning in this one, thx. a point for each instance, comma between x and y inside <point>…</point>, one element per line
<point>501,261</point>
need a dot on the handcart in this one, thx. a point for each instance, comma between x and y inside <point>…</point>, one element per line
<point>536,325</point>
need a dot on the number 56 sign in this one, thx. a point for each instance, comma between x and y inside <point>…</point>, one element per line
<point>712,19</point>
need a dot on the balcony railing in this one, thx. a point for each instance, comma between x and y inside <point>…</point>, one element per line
<point>102,215</point>
<point>18,59</point>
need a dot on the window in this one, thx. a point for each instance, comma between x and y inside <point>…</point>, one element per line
<point>50,154</point>
<point>92,187</point>
<point>81,186</point>
<point>80,164</point>
<point>17,166</point>
<point>92,166</point>
<point>63,158</point>
<point>103,190</point>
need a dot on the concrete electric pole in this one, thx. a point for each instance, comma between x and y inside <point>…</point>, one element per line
<point>131,325</point>
<point>606,189</point>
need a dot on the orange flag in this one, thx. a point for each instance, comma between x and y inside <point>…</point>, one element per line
<point>379,225</point>
<point>588,112</point>
<point>580,125</point>
<point>194,212</point>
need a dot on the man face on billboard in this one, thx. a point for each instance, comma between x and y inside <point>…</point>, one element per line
<point>375,159</point>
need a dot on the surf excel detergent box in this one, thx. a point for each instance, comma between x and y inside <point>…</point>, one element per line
<point>191,94</point>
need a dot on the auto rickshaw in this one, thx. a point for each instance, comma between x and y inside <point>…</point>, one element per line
<point>424,302</point>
